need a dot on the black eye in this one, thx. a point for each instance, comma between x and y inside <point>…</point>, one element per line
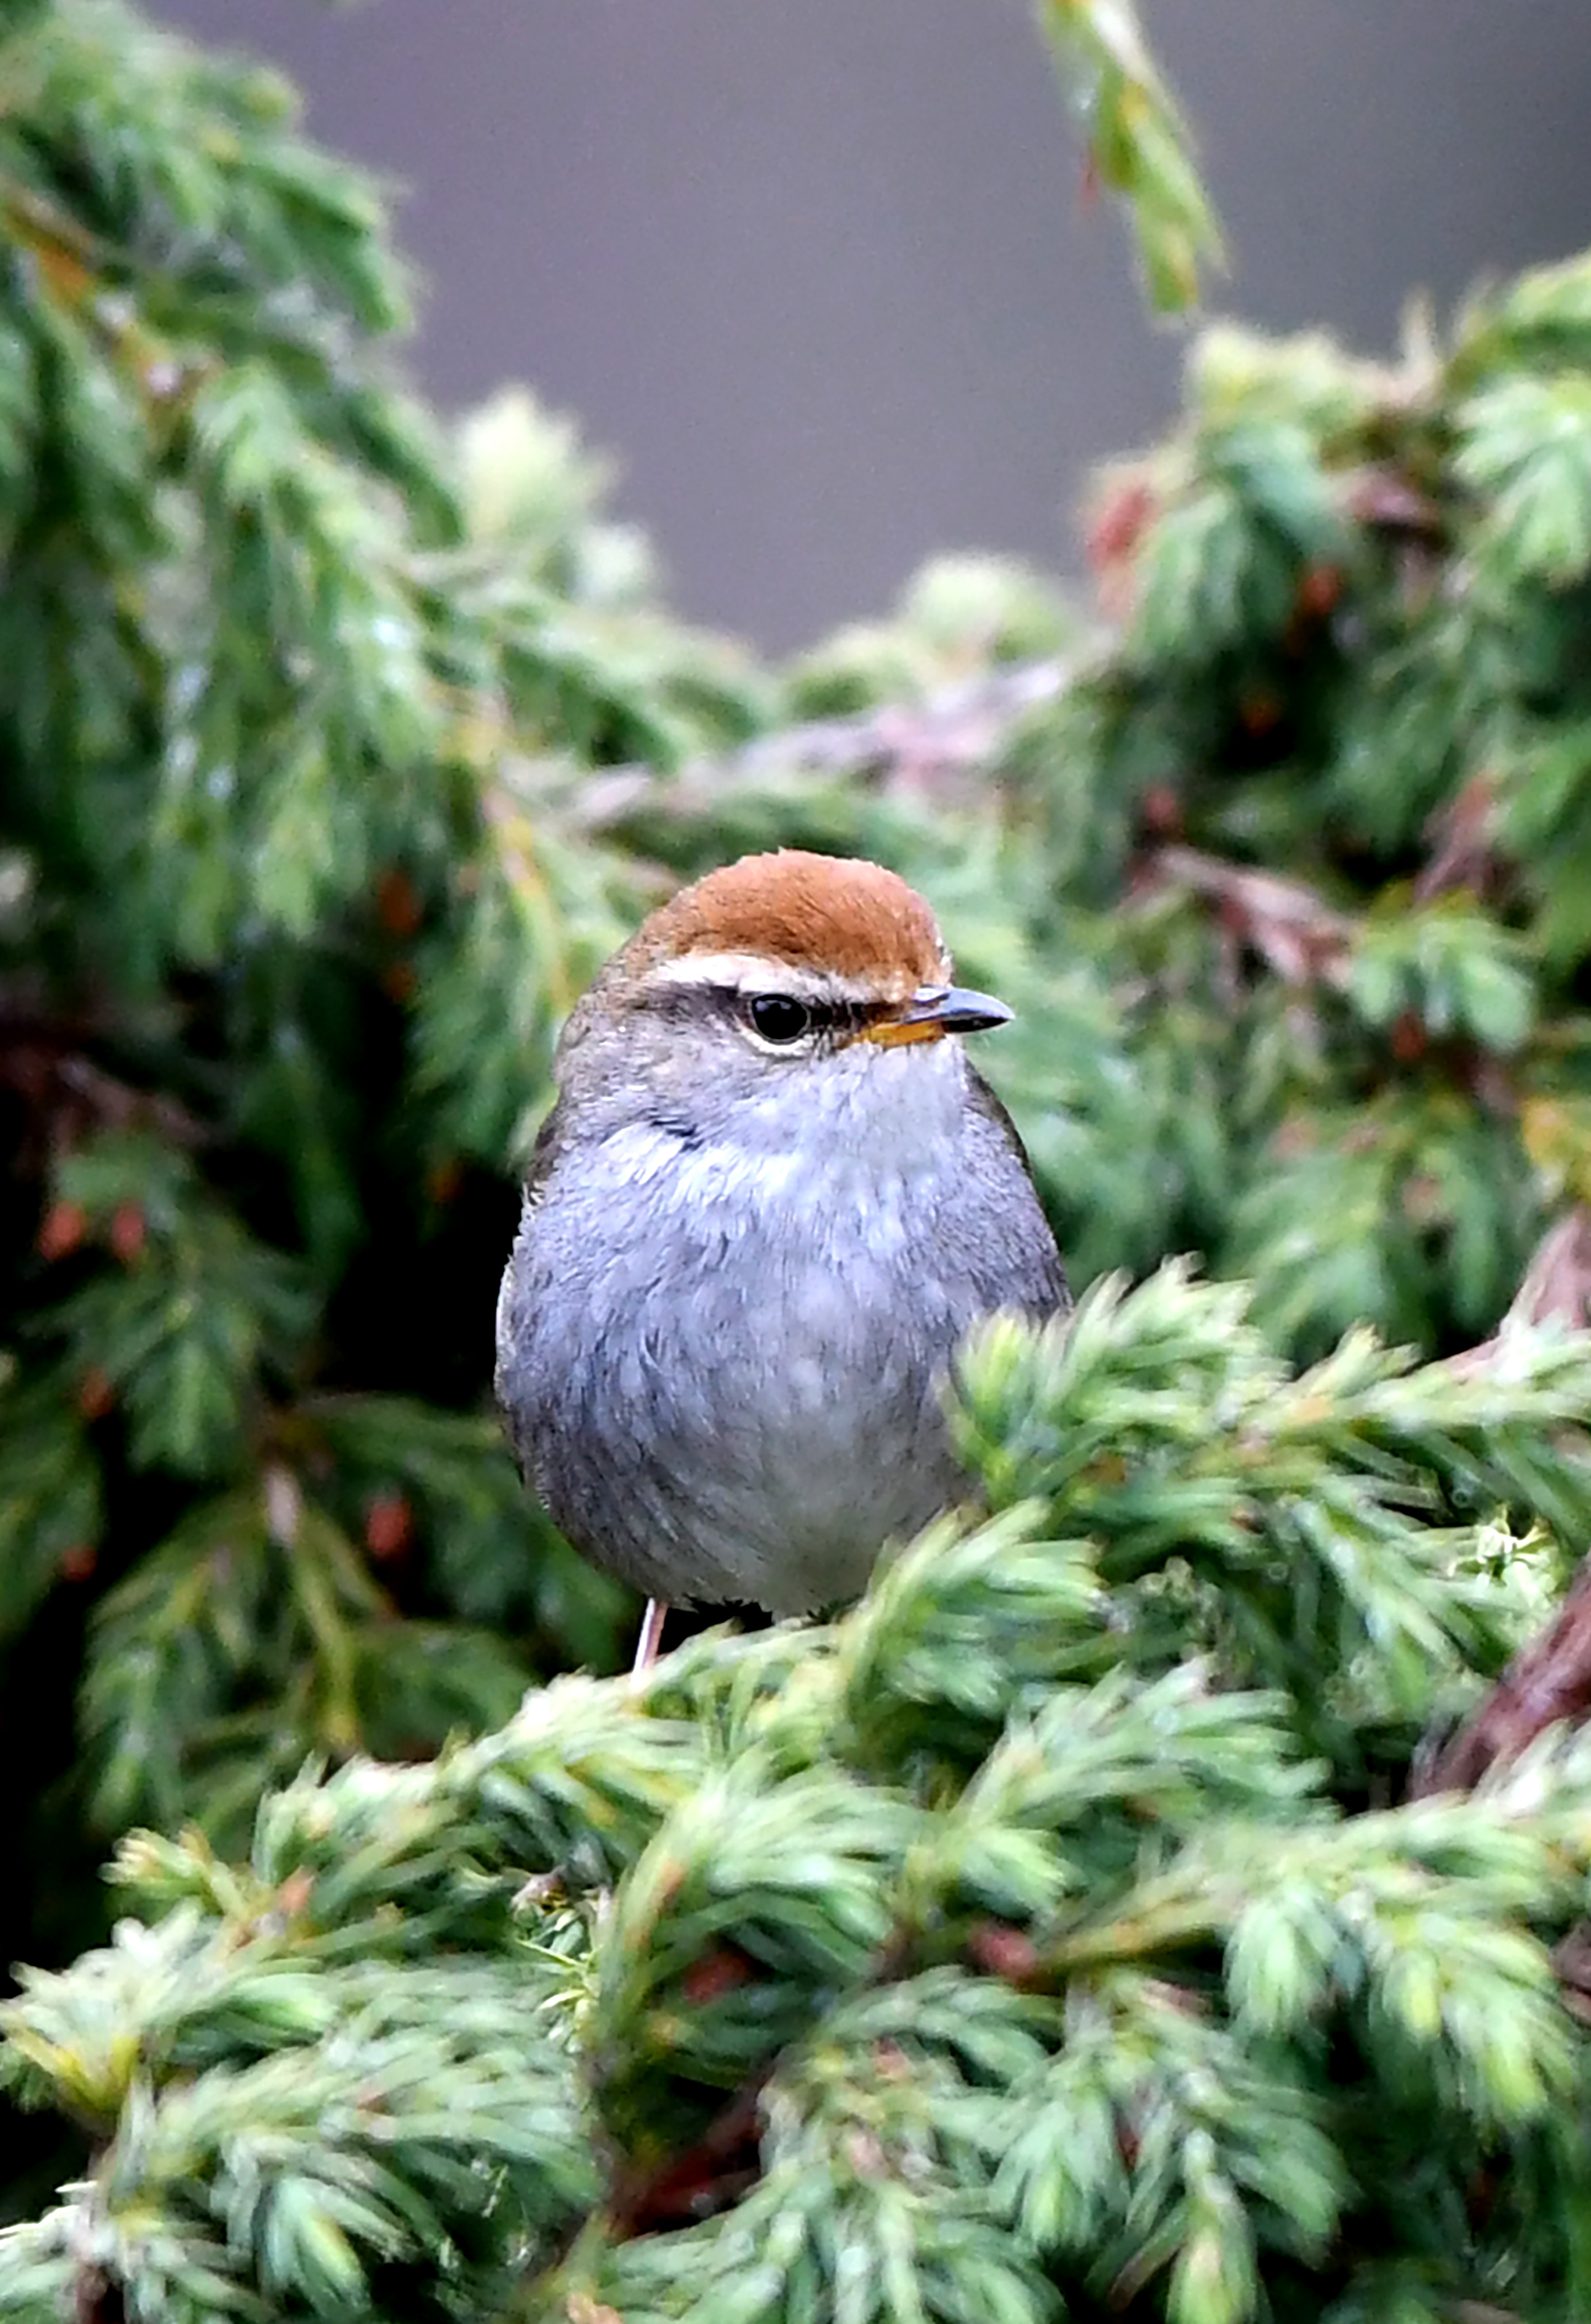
<point>776,1018</point>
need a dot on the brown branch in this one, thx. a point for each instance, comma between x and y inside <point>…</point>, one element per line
<point>924,746</point>
<point>1297,933</point>
<point>709,2176</point>
<point>1555,1289</point>
<point>64,1094</point>
<point>1460,833</point>
<point>1548,1679</point>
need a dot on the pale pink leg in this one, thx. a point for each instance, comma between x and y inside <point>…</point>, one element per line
<point>650,1638</point>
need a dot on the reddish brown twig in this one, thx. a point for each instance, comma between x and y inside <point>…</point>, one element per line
<point>1556,1288</point>
<point>707,2177</point>
<point>1548,1679</point>
<point>925,747</point>
<point>1295,932</point>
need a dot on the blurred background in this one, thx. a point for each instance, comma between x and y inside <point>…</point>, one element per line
<point>824,279</point>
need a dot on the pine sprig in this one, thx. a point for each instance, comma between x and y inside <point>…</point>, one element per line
<point>879,1940</point>
<point>1308,1529</point>
<point>1138,144</point>
<point>50,1505</point>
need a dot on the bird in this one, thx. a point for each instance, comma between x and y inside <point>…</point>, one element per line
<point>771,1197</point>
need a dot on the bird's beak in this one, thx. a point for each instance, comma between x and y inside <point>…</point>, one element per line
<point>934,1011</point>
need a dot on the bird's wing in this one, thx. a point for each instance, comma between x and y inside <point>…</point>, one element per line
<point>544,1154</point>
<point>1052,1294</point>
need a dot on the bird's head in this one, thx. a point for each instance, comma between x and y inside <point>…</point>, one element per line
<point>770,971</point>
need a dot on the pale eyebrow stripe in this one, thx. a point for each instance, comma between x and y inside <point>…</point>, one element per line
<point>746,971</point>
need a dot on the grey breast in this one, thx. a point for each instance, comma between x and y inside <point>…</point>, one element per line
<point>722,1365</point>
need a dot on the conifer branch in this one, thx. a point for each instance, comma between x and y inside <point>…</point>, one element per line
<point>1053,1931</point>
<point>928,749</point>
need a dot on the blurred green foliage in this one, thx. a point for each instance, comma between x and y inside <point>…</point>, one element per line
<point>1047,1934</point>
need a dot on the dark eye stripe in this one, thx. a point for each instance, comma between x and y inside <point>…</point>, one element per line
<point>823,1019</point>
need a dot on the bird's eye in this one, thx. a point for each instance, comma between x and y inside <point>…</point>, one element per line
<point>775,1017</point>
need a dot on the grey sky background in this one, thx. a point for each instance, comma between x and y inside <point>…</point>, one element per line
<point>817,272</point>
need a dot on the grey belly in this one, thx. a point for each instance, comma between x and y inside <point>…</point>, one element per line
<point>756,1430</point>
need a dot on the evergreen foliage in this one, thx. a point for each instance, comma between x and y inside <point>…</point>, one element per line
<point>1054,1972</point>
<point>1056,1932</point>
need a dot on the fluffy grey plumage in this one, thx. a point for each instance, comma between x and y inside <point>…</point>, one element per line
<point>739,1277</point>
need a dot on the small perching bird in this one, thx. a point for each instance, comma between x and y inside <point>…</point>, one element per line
<point>770,1199</point>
